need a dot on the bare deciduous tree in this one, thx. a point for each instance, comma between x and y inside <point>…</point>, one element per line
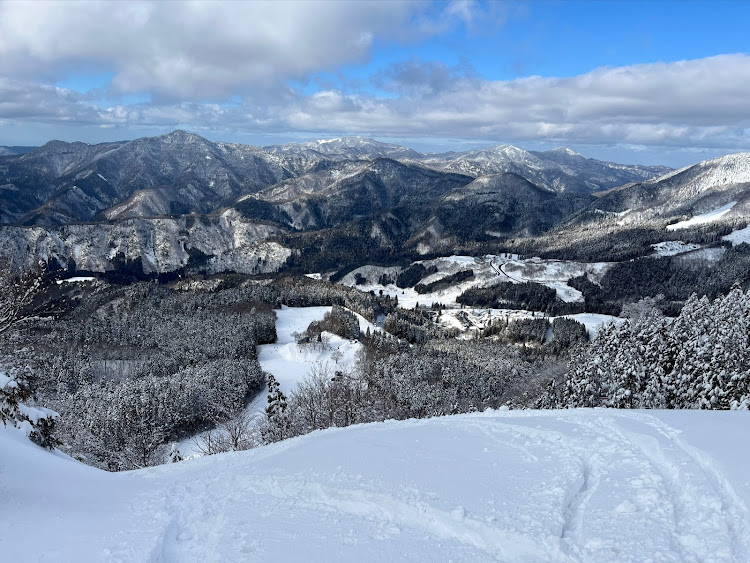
<point>16,293</point>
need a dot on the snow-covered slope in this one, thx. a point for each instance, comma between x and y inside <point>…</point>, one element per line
<point>710,174</point>
<point>227,242</point>
<point>558,170</point>
<point>708,217</point>
<point>290,362</point>
<point>575,485</point>
<point>708,191</point>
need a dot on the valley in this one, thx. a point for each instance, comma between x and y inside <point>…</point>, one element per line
<point>174,300</point>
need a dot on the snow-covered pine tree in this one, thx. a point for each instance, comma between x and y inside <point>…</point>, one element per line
<point>588,384</point>
<point>730,362</point>
<point>659,361</point>
<point>15,392</point>
<point>687,337</point>
<point>276,413</point>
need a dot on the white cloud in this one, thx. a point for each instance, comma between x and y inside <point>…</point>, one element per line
<point>193,50</point>
<point>702,102</point>
<point>183,53</point>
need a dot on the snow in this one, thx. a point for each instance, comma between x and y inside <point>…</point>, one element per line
<point>673,247</point>
<point>575,485</point>
<point>290,362</point>
<point>704,218</point>
<point>470,319</point>
<point>594,321</point>
<point>488,270</point>
<point>76,279</point>
<point>738,236</point>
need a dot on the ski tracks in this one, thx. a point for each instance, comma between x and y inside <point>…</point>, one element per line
<point>621,486</point>
<point>709,522</point>
<point>503,545</point>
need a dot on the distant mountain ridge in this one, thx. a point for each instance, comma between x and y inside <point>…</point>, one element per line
<point>559,170</point>
<point>9,151</point>
<point>327,203</point>
<point>181,173</point>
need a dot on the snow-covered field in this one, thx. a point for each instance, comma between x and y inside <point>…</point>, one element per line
<point>594,321</point>
<point>739,236</point>
<point>578,485</point>
<point>673,247</point>
<point>704,218</point>
<point>490,270</point>
<point>290,362</point>
<point>469,319</point>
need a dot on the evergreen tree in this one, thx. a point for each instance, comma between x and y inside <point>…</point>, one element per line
<point>276,413</point>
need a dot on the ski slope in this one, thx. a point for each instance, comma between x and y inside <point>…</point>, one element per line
<point>290,362</point>
<point>702,219</point>
<point>578,485</point>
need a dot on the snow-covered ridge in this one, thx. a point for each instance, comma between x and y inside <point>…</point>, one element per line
<point>710,217</point>
<point>722,171</point>
<point>574,485</point>
<point>163,245</point>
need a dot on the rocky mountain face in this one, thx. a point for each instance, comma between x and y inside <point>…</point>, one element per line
<point>176,200</point>
<point>148,246</point>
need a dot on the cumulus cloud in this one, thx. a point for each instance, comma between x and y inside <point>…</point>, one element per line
<point>228,67</point>
<point>701,101</point>
<point>193,50</point>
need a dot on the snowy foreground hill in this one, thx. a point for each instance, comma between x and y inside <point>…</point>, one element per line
<point>578,485</point>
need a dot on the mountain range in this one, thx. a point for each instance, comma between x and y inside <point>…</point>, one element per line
<point>169,199</point>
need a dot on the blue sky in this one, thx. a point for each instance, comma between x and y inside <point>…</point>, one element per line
<point>652,82</point>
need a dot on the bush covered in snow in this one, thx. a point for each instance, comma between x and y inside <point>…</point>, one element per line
<point>16,408</point>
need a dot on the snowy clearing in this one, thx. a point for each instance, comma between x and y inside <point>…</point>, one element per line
<point>594,321</point>
<point>290,362</point>
<point>738,236</point>
<point>77,279</point>
<point>576,485</point>
<point>704,218</point>
<point>673,247</point>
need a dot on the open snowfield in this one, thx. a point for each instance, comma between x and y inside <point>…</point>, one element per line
<point>673,248</point>
<point>578,485</point>
<point>739,236</point>
<point>704,218</point>
<point>470,319</point>
<point>594,321</point>
<point>290,362</point>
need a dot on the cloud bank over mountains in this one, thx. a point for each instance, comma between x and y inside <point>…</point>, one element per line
<point>254,68</point>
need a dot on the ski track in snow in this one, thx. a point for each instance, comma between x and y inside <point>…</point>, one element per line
<point>576,485</point>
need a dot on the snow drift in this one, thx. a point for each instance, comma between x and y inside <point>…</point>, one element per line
<point>576,485</point>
